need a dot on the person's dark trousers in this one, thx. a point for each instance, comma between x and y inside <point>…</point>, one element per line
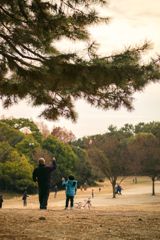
<point>71,198</point>
<point>43,197</point>
<point>25,202</point>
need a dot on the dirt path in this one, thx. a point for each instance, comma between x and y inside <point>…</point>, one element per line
<point>134,196</point>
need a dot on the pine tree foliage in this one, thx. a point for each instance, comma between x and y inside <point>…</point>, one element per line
<point>32,65</point>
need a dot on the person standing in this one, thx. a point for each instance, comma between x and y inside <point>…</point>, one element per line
<point>42,174</point>
<point>92,193</point>
<point>55,191</point>
<point>1,201</point>
<point>25,198</point>
<point>71,187</point>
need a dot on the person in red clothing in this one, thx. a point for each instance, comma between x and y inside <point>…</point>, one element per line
<point>42,174</point>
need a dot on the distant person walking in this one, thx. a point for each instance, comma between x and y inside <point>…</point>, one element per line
<point>1,201</point>
<point>92,193</point>
<point>118,189</point>
<point>71,187</point>
<point>24,198</point>
<point>55,191</point>
<point>85,188</point>
<point>42,174</point>
<point>99,189</point>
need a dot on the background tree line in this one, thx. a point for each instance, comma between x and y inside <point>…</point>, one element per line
<point>130,150</point>
<point>19,154</point>
<point>114,155</point>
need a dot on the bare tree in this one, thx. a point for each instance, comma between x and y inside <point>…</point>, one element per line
<point>43,128</point>
<point>63,135</point>
<point>108,153</point>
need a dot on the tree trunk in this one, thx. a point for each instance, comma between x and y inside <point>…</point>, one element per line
<point>113,187</point>
<point>153,180</point>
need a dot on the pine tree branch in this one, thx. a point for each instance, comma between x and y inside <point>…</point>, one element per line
<point>22,10</point>
<point>12,16</point>
<point>8,40</point>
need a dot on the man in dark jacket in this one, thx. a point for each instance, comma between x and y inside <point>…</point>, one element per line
<point>42,173</point>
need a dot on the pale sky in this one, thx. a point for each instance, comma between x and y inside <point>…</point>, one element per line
<point>133,22</point>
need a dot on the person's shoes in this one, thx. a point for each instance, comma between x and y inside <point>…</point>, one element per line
<point>65,208</point>
<point>72,207</point>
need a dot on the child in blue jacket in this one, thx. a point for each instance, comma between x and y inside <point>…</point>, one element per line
<point>71,187</point>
